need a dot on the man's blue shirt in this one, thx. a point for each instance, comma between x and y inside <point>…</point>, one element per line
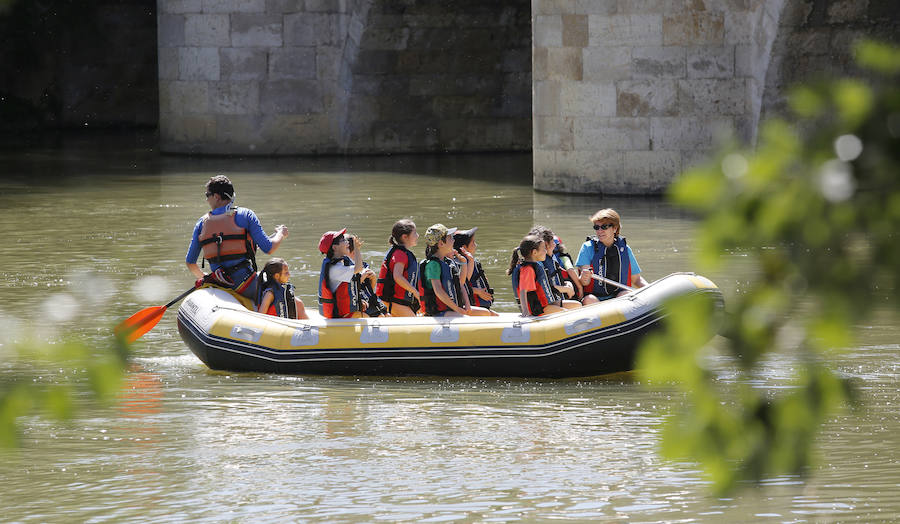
<point>244,218</point>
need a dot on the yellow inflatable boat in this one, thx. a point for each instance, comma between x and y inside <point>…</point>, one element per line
<point>592,340</point>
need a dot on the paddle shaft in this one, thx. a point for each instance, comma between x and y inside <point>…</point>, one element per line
<point>179,297</point>
<point>612,282</point>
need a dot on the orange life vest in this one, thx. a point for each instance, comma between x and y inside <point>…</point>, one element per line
<point>221,239</point>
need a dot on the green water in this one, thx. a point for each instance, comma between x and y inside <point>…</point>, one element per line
<point>106,232</point>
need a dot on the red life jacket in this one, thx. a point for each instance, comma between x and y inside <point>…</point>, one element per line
<point>544,289</point>
<point>387,289</point>
<point>343,302</point>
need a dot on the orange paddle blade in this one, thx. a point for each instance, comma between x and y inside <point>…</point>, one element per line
<point>137,325</point>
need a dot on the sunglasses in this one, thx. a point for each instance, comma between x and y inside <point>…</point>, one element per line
<point>209,194</point>
<point>604,227</point>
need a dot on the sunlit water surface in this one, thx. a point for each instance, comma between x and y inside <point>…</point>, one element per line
<point>94,237</point>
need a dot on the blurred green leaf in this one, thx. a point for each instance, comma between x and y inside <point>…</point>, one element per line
<point>821,237</point>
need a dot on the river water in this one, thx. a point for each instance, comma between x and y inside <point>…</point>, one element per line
<point>185,443</point>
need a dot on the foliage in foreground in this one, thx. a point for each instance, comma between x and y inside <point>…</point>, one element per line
<point>47,373</point>
<point>815,208</point>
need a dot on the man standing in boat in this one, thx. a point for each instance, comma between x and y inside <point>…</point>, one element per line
<point>228,237</point>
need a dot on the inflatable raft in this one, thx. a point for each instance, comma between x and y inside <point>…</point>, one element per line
<point>588,341</point>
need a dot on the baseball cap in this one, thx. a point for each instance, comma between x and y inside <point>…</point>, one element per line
<point>462,238</point>
<point>435,233</point>
<point>328,239</point>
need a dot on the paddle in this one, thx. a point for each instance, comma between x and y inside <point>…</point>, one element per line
<point>612,282</point>
<point>137,325</point>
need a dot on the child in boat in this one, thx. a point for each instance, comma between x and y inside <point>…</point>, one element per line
<point>558,276</point>
<point>439,276</point>
<point>340,276</point>
<point>570,271</point>
<point>276,293</point>
<point>530,282</point>
<point>398,277</point>
<point>476,284</point>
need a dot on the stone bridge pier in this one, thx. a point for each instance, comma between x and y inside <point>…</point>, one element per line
<point>611,96</point>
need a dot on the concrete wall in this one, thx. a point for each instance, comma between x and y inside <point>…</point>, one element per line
<point>343,76</point>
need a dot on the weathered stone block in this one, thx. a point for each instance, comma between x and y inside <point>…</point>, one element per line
<point>198,63</point>
<point>652,170</point>
<point>548,31</point>
<point>308,29</point>
<point>516,60</point>
<point>234,6</point>
<point>387,38</point>
<point>180,97</point>
<point>693,28</point>
<point>585,172</point>
<point>713,96</point>
<point>646,98</point>
<point>207,30</point>
<point>296,97</point>
<point>847,11</point>
<point>710,62</point>
<point>607,64</point>
<point>686,133</point>
<point>375,62</point>
<point>242,63</point>
<point>539,64</point>
<point>326,6</point>
<point>628,7</point>
<point>554,133</point>
<point>810,42</point>
<point>554,7</point>
<point>744,61</point>
<point>242,131</point>
<point>547,98</point>
<point>255,30</point>
<point>740,26</point>
<point>596,7</point>
<point>611,134</point>
<point>168,63</point>
<point>282,7</point>
<point>170,30</point>
<point>292,63</point>
<point>588,98</point>
<point>234,98</point>
<point>625,30</point>
<point>179,6</point>
<point>453,106</point>
<point>328,62</point>
<point>297,133</point>
<point>658,62</point>
<point>564,63</point>
<point>184,132</point>
<point>575,30</point>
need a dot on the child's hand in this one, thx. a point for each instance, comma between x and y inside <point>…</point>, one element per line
<point>465,253</point>
<point>281,228</point>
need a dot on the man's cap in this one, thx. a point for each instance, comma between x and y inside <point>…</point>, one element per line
<point>435,233</point>
<point>328,239</point>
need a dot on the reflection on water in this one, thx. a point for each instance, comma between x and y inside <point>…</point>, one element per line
<point>185,443</point>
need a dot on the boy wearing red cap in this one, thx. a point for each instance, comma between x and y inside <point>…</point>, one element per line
<point>339,278</point>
